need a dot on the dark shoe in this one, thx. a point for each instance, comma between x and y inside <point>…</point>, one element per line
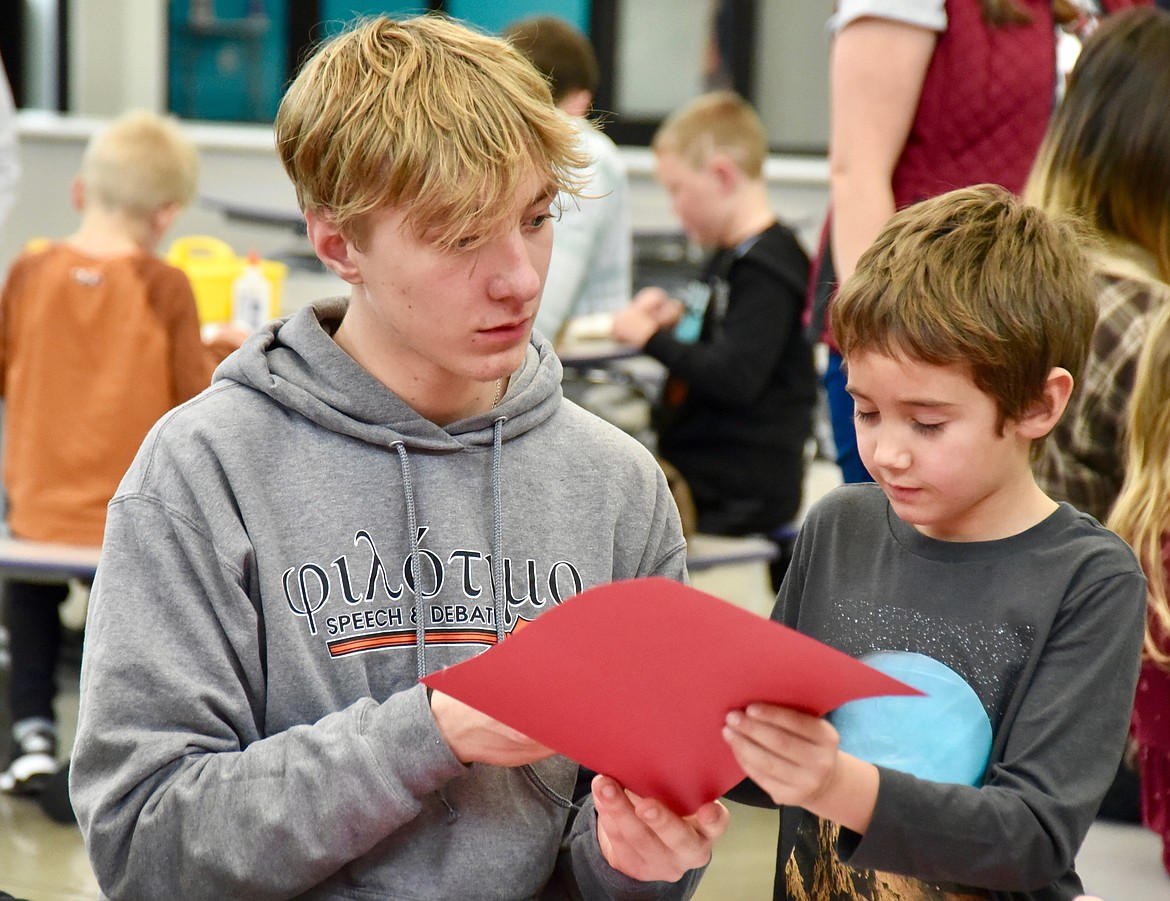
<point>54,799</point>
<point>34,758</point>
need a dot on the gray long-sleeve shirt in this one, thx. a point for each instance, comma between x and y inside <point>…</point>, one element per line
<point>1045,627</point>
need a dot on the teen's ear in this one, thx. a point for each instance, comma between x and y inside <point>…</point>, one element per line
<point>1042,416</point>
<point>331,246</point>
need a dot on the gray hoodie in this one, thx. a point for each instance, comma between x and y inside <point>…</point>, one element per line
<point>251,725</point>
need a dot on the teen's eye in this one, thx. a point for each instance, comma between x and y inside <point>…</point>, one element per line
<point>466,242</point>
<point>864,416</point>
<point>926,428</point>
<point>539,220</point>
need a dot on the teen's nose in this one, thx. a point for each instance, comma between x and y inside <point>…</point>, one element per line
<point>514,273</point>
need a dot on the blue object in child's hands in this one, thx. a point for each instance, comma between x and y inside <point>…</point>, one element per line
<point>690,326</point>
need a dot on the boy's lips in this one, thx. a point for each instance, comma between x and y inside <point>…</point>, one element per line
<point>901,492</point>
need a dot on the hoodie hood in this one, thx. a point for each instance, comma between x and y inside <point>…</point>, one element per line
<point>296,362</point>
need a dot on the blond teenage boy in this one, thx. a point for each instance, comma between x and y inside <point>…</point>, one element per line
<point>736,410</point>
<point>98,339</point>
<point>373,489</point>
<point>962,331</point>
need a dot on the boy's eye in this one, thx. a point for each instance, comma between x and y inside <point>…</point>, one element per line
<point>864,415</point>
<point>926,428</point>
<point>466,242</point>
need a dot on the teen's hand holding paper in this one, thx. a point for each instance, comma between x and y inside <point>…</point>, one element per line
<point>795,758</point>
<point>640,837</point>
<point>475,737</point>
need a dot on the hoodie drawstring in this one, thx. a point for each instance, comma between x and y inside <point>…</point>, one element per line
<point>420,625</point>
<point>499,593</point>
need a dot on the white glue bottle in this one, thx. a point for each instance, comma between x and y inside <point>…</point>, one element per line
<point>251,295</point>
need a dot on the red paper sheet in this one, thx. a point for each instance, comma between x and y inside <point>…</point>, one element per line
<point>634,679</point>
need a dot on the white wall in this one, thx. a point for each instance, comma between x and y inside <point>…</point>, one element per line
<point>792,72</point>
<point>239,165</point>
<point>117,56</point>
<point>659,54</point>
<point>118,60</point>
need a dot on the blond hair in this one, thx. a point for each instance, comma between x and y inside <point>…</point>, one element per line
<point>1106,155</point>
<point>976,278</point>
<point>719,122</point>
<point>424,114</point>
<point>140,163</point>
<point>1141,514</point>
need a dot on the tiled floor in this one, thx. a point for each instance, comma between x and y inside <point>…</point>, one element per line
<point>43,861</point>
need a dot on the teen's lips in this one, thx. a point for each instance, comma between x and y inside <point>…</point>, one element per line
<point>509,332</point>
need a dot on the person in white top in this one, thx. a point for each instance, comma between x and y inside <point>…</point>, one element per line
<point>591,270</point>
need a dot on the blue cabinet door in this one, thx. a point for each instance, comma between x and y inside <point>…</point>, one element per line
<point>228,58</point>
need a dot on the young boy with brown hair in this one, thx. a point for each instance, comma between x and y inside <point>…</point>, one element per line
<point>962,329</point>
<point>373,489</point>
<point>98,339</point>
<point>736,409</point>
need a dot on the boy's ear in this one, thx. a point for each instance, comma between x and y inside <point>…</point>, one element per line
<point>77,194</point>
<point>1042,416</point>
<point>164,217</point>
<point>576,103</point>
<point>331,246</point>
<point>725,170</point>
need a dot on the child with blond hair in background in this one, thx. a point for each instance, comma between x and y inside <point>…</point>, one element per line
<point>736,410</point>
<point>98,339</point>
<point>1142,517</point>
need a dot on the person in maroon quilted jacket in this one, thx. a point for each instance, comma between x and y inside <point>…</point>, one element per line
<point>926,96</point>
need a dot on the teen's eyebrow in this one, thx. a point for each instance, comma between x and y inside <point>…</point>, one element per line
<point>546,195</point>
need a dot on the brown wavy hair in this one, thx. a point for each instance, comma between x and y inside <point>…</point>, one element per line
<point>1106,156</point>
<point>977,278</point>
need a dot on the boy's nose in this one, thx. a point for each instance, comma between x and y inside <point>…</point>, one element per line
<point>889,452</point>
